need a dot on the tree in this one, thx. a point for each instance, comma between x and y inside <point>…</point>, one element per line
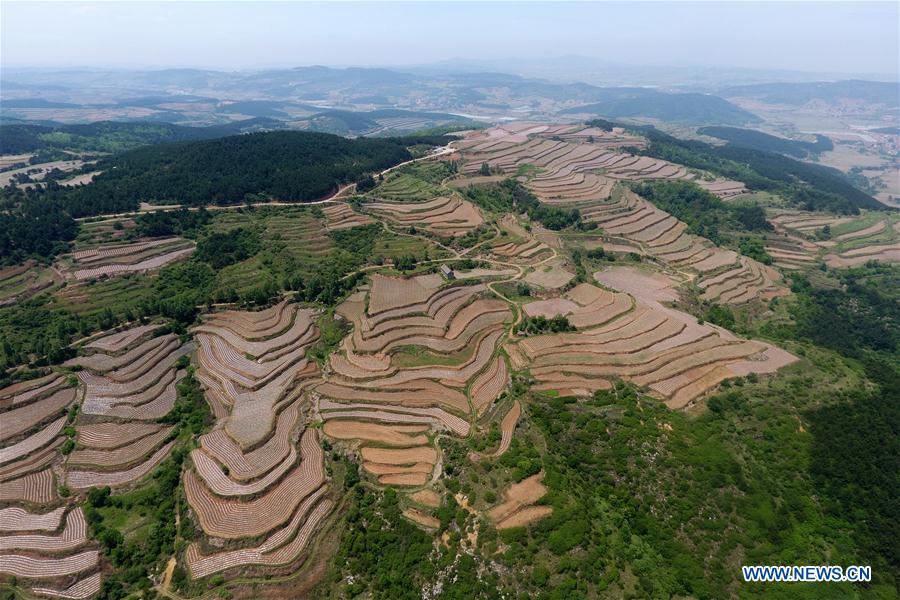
<point>406,262</point>
<point>365,184</point>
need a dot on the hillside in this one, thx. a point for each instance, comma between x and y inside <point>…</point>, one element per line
<point>289,166</point>
<point>300,94</point>
<point>693,109</point>
<point>758,140</point>
<point>589,373</point>
<point>813,187</point>
<point>383,122</point>
<point>111,136</point>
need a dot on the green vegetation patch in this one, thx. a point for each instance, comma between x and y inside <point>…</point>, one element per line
<point>703,212</point>
<point>757,140</point>
<point>414,182</point>
<point>511,196</point>
<point>541,324</point>
<point>417,356</point>
<point>222,249</point>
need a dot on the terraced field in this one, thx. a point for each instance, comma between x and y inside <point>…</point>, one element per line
<point>553,275</point>
<point>390,408</point>
<point>557,161</point>
<point>43,538</point>
<point>723,275</point>
<point>446,216</point>
<point>583,176</point>
<point>115,259</point>
<point>571,171</point>
<point>302,233</point>
<point>129,379</point>
<point>251,482</point>
<point>108,231</point>
<point>518,507</point>
<point>637,339</point>
<point>801,242</point>
<point>23,281</point>
<point>521,130</point>
<point>517,244</point>
<point>32,414</point>
<point>89,298</point>
<point>420,361</point>
<point>406,184</point>
<point>723,189</point>
<point>340,215</point>
<point>507,428</point>
<point>294,240</point>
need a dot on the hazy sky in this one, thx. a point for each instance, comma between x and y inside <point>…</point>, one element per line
<point>852,37</point>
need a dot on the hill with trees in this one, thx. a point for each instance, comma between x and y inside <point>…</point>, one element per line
<point>113,136</point>
<point>691,108</point>
<point>285,165</point>
<point>757,140</point>
<point>288,166</point>
<point>809,186</point>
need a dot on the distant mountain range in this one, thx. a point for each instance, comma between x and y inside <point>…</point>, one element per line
<point>304,97</point>
<point>605,73</point>
<point>873,92</point>
<point>204,97</point>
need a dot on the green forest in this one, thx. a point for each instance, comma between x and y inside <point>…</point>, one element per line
<point>511,196</point>
<point>757,140</point>
<point>704,213</point>
<point>289,166</point>
<point>285,166</point>
<point>113,136</point>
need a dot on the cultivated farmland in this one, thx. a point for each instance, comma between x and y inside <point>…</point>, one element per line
<point>129,379</point>
<point>518,507</point>
<point>724,276</point>
<point>403,373</point>
<point>446,399</point>
<point>517,244</point>
<point>637,339</point>
<point>43,537</point>
<point>137,257</point>
<point>805,239</point>
<point>583,176</point>
<point>446,216</point>
<point>259,475</point>
<point>26,280</point>
<point>340,215</point>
